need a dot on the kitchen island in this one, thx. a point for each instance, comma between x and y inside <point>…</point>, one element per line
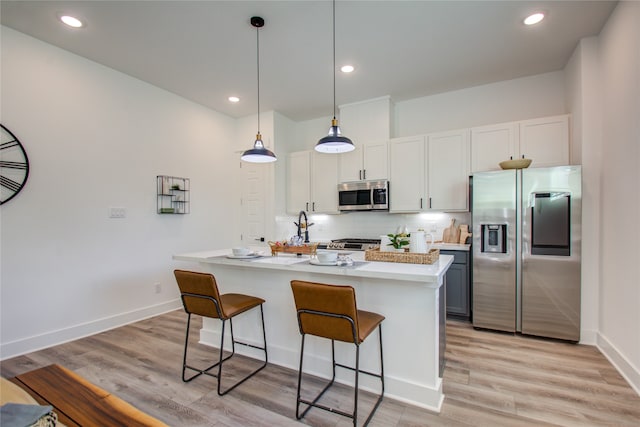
<point>410,296</point>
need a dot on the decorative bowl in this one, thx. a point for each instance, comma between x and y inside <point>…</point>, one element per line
<point>515,164</point>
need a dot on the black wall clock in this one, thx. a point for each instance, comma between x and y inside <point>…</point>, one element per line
<point>14,165</point>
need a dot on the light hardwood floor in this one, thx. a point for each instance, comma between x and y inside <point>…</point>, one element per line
<point>491,379</point>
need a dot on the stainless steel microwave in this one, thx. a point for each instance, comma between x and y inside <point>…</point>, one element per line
<point>363,196</point>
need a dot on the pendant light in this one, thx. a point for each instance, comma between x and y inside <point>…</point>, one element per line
<point>334,142</point>
<point>259,153</point>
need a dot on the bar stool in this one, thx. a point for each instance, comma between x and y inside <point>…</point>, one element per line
<point>200,295</point>
<point>330,311</point>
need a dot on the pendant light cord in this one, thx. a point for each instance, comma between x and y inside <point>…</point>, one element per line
<point>258,62</point>
<point>334,59</point>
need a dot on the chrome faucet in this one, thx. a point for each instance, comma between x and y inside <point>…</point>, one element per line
<point>306,226</point>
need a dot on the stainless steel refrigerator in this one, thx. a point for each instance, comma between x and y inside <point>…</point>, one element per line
<point>526,251</point>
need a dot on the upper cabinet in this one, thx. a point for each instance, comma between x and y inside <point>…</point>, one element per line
<point>368,125</point>
<point>312,182</point>
<point>544,140</point>
<point>368,161</point>
<point>429,172</point>
<point>448,170</point>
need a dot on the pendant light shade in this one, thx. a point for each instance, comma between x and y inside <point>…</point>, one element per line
<point>334,142</point>
<point>258,154</point>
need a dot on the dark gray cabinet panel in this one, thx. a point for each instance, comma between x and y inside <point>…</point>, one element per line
<point>458,280</point>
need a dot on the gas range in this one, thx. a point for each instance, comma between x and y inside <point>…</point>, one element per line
<point>352,244</point>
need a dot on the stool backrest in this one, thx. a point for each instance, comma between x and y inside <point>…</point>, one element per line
<point>327,311</point>
<point>199,292</point>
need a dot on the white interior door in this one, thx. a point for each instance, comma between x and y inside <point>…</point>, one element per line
<point>253,203</point>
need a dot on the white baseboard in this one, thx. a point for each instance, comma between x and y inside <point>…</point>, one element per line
<point>61,336</point>
<point>589,337</point>
<point>620,362</point>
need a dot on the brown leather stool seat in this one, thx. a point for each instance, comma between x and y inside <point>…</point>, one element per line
<point>200,295</point>
<point>330,311</point>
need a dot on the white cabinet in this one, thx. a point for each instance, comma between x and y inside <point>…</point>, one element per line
<point>544,140</point>
<point>429,172</point>
<point>407,174</point>
<point>367,162</point>
<point>492,144</point>
<point>448,170</point>
<point>312,182</point>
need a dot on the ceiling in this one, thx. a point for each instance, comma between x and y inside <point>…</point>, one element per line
<point>205,51</point>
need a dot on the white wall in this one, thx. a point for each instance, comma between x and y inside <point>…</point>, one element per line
<point>584,102</point>
<point>510,100</point>
<point>619,328</point>
<point>97,138</point>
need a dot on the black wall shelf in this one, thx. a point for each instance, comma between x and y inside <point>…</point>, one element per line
<point>173,195</point>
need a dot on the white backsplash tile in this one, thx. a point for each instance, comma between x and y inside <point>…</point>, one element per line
<point>368,224</point>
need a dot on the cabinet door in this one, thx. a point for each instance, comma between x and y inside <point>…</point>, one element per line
<point>448,170</point>
<point>298,181</point>
<point>375,160</point>
<point>324,183</point>
<point>491,145</point>
<point>457,290</point>
<point>407,174</point>
<point>545,141</point>
<point>351,165</point>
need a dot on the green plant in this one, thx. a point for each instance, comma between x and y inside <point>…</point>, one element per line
<point>398,240</point>
<point>175,187</point>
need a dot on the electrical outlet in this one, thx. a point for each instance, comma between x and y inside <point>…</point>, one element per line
<point>158,288</point>
<point>117,212</point>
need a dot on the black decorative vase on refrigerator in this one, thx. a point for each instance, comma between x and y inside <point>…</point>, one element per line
<point>526,251</point>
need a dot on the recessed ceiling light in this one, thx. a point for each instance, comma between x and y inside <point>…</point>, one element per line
<point>347,68</point>
<point>233,99</point>
<point>71,21</point>
<point>534,19</point>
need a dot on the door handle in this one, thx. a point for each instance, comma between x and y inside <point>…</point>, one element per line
<point>360,174</point>
<point>364,174</point>
<point>429,202</point>
<point>307,206</point>
<point>420,202</point>
<point>313,206</point>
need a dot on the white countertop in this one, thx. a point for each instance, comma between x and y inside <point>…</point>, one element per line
<point>451,247</point>
<point>429,274</point>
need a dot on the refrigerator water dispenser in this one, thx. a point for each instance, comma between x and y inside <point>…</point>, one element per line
<point>494,238</point>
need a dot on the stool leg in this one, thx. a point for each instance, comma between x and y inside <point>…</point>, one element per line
<point>355,393</point>
<point>298,400</point>
<point>233,349</point>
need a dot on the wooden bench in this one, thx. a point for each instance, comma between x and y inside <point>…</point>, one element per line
<point>79,402</point>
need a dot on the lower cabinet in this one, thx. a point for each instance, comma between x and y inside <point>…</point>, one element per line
<point>458,285</point>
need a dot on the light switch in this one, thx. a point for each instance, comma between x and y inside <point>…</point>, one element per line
<point>117,212</point>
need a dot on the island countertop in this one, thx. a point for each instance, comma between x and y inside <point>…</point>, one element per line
<point>430,274</point>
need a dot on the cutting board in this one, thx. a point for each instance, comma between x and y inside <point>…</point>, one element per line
<point>451,234</point>
<point>464,233</point>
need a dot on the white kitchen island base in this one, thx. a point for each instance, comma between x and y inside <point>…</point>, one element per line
<point>410,296</point>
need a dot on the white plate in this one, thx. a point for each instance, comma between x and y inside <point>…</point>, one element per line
<point>317,262</point>
<point>248,256</point>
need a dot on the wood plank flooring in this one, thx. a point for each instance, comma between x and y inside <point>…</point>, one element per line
<point>491,379</point>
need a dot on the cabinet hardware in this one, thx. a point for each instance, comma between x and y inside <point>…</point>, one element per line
<point>307,206</point>
<point>313,206</point>
<point>364,174</point>
<point>360,174</point>
<point>429,202</point>
<point>420,202</point>
<point>259,239</point>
